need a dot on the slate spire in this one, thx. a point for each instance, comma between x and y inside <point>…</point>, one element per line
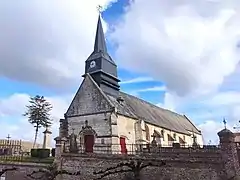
<point>101,66</point>
<point>100,44</point>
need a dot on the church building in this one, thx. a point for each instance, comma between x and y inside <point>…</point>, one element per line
<point>101,114</point>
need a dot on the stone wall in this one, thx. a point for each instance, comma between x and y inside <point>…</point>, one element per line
<point>179,166</point>
<point>22,170</point>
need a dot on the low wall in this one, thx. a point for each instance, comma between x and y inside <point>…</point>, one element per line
<point>22,170</point>
<point>179,166</point>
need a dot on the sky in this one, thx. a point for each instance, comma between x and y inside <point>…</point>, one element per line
<point>179,55</point>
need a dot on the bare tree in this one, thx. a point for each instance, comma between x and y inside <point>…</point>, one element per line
<point>38,113</point>
<point>6,170</point>
<point>133,166</point>
<point>50,173</point>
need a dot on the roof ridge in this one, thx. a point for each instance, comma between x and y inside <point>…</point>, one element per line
<point>151,104</point>
<point>191,122</point>
<point>177,115</point>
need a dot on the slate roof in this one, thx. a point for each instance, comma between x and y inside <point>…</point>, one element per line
<point>100,48</point>
<point>134,107</point>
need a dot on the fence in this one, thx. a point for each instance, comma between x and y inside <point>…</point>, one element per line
<point>134,149</point>
<point>11,150</point>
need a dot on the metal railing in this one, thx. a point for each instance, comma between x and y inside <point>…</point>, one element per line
<point>133,149</point>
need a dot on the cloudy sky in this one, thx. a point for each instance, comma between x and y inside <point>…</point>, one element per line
<point>180,55</point>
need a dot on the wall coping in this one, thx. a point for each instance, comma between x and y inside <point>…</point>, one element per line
<point>23,164</point>
<point>213,160</point>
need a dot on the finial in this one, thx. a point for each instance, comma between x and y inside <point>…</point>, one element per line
<point>99,9</point>
<point>225,123</point>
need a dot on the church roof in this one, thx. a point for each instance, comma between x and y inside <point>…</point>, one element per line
<point>136,108</point>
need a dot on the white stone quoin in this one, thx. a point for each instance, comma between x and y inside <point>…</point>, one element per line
<point>47,139</point>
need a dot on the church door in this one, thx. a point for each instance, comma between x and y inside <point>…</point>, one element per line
<point>89,142</point>
<point>123,145</point>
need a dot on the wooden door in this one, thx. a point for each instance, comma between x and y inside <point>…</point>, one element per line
<point>123,145</point>
<point>89,142</point>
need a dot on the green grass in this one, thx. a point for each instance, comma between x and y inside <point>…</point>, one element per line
<point>26,159</point>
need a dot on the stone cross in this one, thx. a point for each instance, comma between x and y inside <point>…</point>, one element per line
<point>8,137</point>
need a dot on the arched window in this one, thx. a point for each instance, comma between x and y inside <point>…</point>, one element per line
<point>147,132</point>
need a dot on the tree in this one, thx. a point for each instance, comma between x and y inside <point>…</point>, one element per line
<point>38,114</point>
<point>133,166</point>
<point>6,170</point>
<point>50,173</point>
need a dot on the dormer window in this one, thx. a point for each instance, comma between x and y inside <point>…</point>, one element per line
<point>120,100</point>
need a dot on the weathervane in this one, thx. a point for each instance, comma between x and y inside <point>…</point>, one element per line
<point>100,9</point>
<point>225,123</point>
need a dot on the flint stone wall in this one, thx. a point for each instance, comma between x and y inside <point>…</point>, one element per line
<point>180,166</point>
<point>22,170</point>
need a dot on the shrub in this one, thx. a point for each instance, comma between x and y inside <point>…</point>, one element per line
<point>53,152</point>
<point>176,145</point>
<point>34,153</point>
<point>43,153</point>
<point>40,153</point>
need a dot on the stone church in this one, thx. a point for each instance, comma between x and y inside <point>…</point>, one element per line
<point>101,114</point>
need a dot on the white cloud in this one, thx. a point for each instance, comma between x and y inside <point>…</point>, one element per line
<point>152,89</point>
<point>137,80</point>
<point>207,112</point>
<point>136,92</point>
<point>190,45</point>
<point>47,41</point>
<point>13,105</point>
<point>209,129</point>
<point>18,127</point>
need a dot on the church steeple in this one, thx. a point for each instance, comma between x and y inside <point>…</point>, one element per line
<point>100,44</point>
<point>101,66</point>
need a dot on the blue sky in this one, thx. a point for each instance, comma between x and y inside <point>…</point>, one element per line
<point>182,57</point>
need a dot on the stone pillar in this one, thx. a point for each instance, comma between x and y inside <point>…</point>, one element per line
<point>59,147</point>
<point>47,139</point>
<point>63,129</point>
<point>229,154</point>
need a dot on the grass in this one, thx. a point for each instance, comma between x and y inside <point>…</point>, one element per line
<point>27,159</point>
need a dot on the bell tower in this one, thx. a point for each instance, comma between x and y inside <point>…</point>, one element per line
<point>101,66</point>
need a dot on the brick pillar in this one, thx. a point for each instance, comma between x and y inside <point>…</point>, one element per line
<point>229,154</point>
